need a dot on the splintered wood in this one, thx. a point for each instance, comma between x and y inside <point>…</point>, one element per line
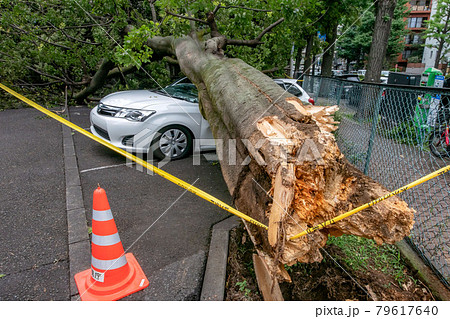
<point>283,194</point>
<point>317,184</point>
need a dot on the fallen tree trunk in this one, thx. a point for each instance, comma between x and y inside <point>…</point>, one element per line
<point>281,162</point>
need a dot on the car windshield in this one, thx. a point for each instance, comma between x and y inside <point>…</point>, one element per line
<point>183,91</point>
<point>293,90</point>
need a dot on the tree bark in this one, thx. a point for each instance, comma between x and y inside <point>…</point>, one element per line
<point>298,60</point>
<point>328,56</point>
<point>308,54</point>
<point>281,162</point>
<point>96,82</point>
<point>153,10</point>
<point>384,13</point>
<point>438,54</point>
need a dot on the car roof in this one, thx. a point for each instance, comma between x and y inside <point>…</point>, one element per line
<point>346,76</point>
<point>286,80</point>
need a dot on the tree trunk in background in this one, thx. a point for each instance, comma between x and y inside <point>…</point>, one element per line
<point>328,56</point>
<point>314,65</point>
<point>298,60</point>
<point>308,54</point>
<point>384,12</point>
<point>281,162</point>
<point>442,40</point>
<point>438,54</point>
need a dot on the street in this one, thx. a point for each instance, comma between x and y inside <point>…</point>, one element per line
<point>164,226</point>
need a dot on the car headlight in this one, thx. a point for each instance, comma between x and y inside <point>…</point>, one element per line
<point>135,115</point>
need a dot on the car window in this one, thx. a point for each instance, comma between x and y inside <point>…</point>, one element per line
<point>294,90</point>
<point>183,91</point>
<point>183,80</point>
<point>281,85</point>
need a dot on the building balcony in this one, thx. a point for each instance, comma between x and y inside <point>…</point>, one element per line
<point>422,28</point>
<point>414,45</point>
<point>417,9</point>
<point>416,65</point>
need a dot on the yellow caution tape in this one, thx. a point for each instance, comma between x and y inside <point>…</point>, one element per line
<point>375,201</point>
<point>139,161</point>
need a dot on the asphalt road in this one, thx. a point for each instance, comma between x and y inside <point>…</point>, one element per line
<point>166,228</point>
<point>33,226</point>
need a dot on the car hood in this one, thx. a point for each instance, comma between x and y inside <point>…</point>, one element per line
<point>140,100</point>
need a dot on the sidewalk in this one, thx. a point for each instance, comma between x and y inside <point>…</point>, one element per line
<point>33,227</point>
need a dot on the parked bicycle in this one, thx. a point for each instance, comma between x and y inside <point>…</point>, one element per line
<point>439,139</point>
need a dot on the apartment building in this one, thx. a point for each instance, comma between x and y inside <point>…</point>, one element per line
<point>416,57</point>
<point>429,54</point>
<point>411,59</point>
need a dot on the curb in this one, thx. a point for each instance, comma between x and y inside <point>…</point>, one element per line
<point>78,237</point>
<point>423,271</point>
<point>213,288</point>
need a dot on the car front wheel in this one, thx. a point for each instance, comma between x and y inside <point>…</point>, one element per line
<point>173,142</point>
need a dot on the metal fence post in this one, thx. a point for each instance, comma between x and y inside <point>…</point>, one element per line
<point>373,131</point>
<point>318,89</point>
<point>341,87</point>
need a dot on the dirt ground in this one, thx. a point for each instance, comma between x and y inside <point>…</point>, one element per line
<point>330,280</point>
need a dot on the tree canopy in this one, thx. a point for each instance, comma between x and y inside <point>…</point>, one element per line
<point>99,45</point>
<point>355,43</point>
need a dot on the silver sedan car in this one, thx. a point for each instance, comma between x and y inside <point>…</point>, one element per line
<point>291,85</point>
<point>162,123</point>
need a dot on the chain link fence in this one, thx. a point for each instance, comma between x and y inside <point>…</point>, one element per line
<point>397,134</point>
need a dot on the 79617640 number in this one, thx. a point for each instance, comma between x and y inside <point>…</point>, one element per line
<point>407,310</point>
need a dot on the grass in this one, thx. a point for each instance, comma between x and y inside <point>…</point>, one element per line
<point>338,115</point>
<point>362,254</point>
<point>405,133</point>
<point>243,287</point>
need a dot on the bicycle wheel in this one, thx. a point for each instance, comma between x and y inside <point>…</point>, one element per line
<point>438,144</point>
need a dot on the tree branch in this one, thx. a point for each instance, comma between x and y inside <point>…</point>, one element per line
<point>38,84</point>
<point>212,25</point>
<point>73,38</point>
<point>90,25</point>
<point>256,41</point>
<point>116,71</point>
<point>161,46</point>
<point>239,7</point>
<point>274,69</point>
<point>49,75</point>
<point>152,8</point>
<point>96,82</point>
<point>38,37</point>
<point>186,17</point>
<point>171,60</point>
<point>40,72</point>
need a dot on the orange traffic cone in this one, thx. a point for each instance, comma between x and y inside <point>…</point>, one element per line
<point>113,275</point>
